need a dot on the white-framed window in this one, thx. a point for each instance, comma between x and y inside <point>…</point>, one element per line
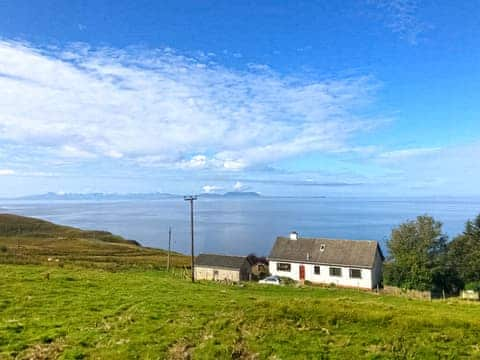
<point>316,269</point>
<point>335,271</point>
<point>284,267</point>
<point>355,274</point>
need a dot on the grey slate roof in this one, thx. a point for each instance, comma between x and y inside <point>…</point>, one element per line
<point>359,253</point>
<point>222,261</point>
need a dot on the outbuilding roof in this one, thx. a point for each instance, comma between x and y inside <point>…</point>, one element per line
<point>359,253</point>
<point>222,261</point>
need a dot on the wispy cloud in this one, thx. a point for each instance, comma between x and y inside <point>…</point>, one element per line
<point>239,186</point>
<point>70,151</point>
<point>401,17</point>
<point>160,108</point>
<point>6,172</point>
<point>440,170</point>
<point>405,154</point>
<point>211,188</point>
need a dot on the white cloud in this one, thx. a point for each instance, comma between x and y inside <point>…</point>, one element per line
<point>6,172</point>
<point>211,188</point>
<point>234,164</point>
<point>114,154</point>
<point>158,108</point>
<point>74,152</point>
<point>403,154</point>
<point>38,174</point>
<point>196,162</point>
<point>239,186</point>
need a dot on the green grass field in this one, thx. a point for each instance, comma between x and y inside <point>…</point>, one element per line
<point>109,298</point>
<point>150,314</point>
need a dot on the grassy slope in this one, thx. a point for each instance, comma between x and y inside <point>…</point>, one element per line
<point>15,225</point>
<point>92,313</point>
<point>26,240</point>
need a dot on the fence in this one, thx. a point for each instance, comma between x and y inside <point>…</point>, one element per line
<point>412,294</point>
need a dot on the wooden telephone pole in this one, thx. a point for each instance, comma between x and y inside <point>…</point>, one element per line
<point>169,246</point>
<point>191,199</point>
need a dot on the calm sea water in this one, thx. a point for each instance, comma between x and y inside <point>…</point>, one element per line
<point>242,226</point>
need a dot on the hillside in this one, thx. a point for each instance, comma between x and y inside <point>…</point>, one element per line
<point>157,315</point>
<point>27,240</point>
<point>15,225</point>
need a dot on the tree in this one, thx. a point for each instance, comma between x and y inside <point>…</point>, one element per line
<point>259,266</point>
<point>417,252</point>
<point>472,228</point>
<point>464,252</point>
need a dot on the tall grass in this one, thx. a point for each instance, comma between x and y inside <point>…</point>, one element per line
<point>92,313</point>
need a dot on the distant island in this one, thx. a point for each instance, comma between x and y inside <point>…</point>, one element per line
<point>51,196</point>
<point>232,194</point>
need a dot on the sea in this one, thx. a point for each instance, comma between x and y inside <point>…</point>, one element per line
<point>244,226</point>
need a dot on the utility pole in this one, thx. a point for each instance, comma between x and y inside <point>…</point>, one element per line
<point>191,199</point>
<point>18,243</point>
<point>169,246</point>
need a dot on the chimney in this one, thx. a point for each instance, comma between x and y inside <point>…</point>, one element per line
<point>293,235</point>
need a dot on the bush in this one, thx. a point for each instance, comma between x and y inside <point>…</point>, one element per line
<point>475,286</point>
<point>3,249</point>
<point>287,281</point>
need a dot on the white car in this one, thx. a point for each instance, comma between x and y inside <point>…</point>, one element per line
<point>272,280</point>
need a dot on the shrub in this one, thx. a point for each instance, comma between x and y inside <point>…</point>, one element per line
<point>286,280</point>
<point>3,249</point>
<point>475,286</point>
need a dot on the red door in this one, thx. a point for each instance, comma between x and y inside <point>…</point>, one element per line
<point>302,272</point>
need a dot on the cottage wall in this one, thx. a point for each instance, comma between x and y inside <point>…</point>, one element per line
<point>366,281</point>
<point>211,273</point>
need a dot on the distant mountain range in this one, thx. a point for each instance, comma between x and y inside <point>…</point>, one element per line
<point>51,196</point>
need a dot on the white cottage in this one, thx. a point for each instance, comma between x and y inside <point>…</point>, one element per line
<point>349,263</point>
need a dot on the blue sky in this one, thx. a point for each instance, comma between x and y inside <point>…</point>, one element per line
<point>281,97</point>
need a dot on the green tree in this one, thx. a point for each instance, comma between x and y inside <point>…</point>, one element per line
<point>464,252</point>
<point>417,255</point>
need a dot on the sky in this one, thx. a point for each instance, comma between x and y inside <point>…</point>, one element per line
<point>294,98</point>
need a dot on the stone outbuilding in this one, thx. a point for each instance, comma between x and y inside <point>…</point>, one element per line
<point>222,268</point>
